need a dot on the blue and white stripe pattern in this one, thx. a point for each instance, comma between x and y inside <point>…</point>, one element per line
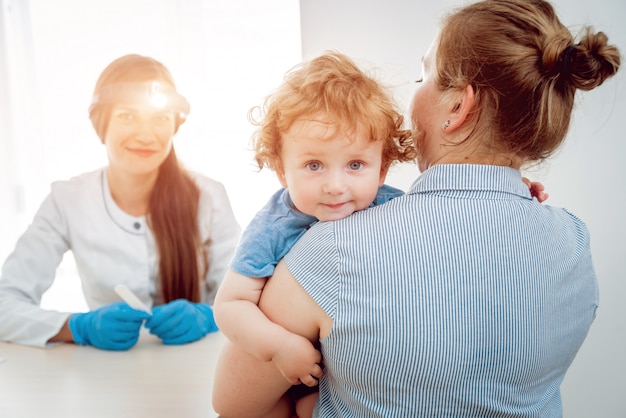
<point>463,298</point>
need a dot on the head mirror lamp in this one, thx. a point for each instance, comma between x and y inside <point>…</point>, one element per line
<point>152,94</point>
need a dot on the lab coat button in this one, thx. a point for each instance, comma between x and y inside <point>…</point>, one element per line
<point>137,225</point>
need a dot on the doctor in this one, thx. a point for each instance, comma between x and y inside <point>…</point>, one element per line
<point>142,221</point>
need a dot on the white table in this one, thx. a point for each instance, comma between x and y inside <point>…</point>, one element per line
<point>150,380</point>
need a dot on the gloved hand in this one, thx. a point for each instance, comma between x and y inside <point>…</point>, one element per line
<point>112,327</point>
<point>181,321</point>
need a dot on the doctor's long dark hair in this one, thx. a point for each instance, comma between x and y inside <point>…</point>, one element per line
<point>174,222</point>
<point>173,206</point>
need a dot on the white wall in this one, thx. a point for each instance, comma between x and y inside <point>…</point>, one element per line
<point>587,176</point>
<point>16,115</point>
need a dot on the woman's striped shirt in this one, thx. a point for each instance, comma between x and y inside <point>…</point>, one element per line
<point>463,298</point>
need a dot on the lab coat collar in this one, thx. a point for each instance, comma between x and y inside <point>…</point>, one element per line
<point>136,225</point>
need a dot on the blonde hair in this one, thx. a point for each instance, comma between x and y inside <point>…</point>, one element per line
<point>525,67</point>
<point>333,86</point>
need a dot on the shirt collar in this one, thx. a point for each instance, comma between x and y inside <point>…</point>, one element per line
<point>131,224</point>
<point>471,178</point>
<point>299,217</point>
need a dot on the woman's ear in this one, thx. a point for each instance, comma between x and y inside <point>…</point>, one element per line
<point>461,110</point>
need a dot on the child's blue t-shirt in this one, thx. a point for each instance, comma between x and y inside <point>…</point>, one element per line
<point>275,229</point>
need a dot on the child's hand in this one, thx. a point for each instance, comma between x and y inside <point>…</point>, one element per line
<point>298,361</point>
<point>536,190</point>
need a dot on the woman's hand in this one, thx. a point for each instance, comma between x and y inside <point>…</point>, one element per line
<point>181,321</point>
<point>112,327</point>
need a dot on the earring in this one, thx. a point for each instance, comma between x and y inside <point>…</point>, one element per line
<point>446,124</point>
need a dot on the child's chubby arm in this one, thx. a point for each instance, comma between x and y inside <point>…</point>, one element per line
<point>238,316</point>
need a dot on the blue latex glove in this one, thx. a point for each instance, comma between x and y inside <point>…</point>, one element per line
<point>112,327</point>
<point>181,321</point>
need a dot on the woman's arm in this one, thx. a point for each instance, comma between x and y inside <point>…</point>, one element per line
<point>246,386</point>
<point>219,232</point>
<point>238,316</point>
<point>64,335</point>
<point>286,303</point>
<point>27,273</point>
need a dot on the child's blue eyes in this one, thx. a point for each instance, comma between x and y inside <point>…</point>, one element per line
<point>355,165</point>
<point>315,166</point>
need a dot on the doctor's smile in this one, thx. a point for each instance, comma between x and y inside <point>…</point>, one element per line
<point>142,152</point>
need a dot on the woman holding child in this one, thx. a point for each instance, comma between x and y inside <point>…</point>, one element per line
<point>465,297</point>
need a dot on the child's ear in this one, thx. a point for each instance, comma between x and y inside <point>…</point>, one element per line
<point>461,110</point>
<point>383,176</point>
<point>280,173</point>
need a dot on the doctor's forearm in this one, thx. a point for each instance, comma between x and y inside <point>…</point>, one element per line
<point>64,334</point>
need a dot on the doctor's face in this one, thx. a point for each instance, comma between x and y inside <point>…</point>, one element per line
<point>139,138</point>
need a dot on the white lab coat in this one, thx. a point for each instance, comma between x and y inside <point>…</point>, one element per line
<point>109,247</point>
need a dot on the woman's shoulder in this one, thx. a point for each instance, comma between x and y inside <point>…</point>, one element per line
<point>213,195</point>
<point>90,180</point>
<point>205,183</point>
